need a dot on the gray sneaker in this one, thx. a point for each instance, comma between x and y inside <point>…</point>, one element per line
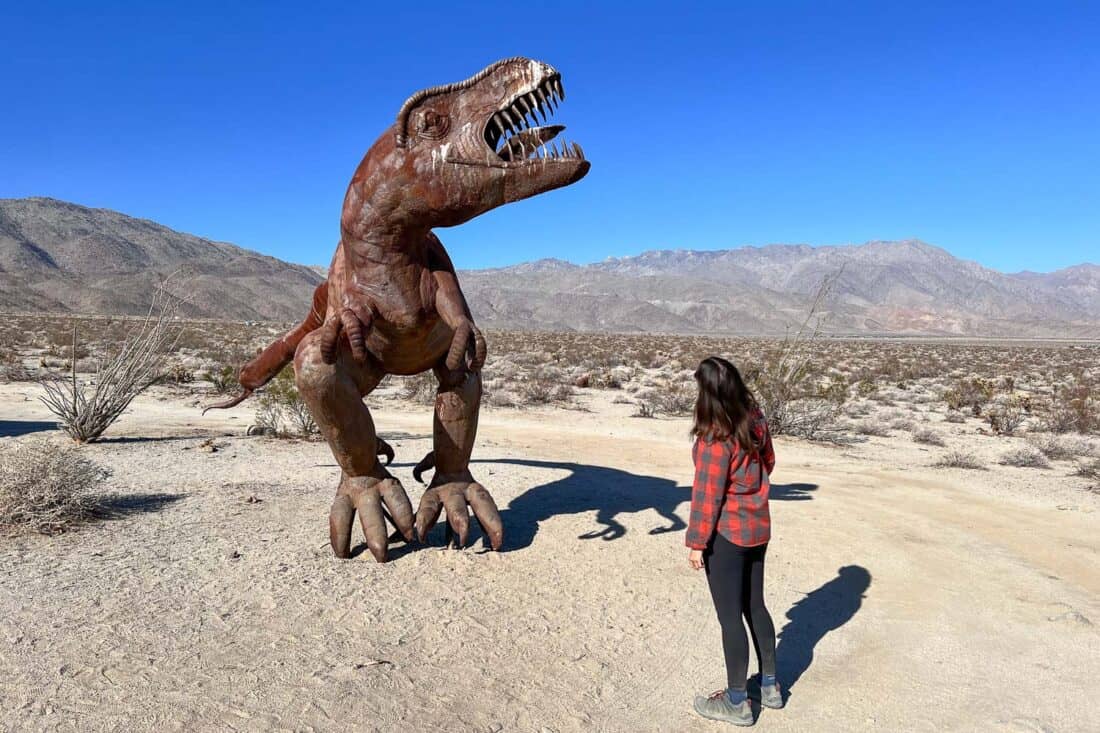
<point>771,696</point>
<point>719,707</point>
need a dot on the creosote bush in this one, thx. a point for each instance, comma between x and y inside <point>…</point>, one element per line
<point>45,488</point>
<point>1026,456</point>
<point>928,436</point>
<point>959,459</point>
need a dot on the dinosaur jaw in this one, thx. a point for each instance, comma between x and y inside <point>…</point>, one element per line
<point>518,137</point>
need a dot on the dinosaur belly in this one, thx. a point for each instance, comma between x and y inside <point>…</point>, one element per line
<point>404,350</point>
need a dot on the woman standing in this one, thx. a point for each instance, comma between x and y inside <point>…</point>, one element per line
<point>729,530</point>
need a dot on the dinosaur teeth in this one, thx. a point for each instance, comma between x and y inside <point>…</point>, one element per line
<point>536,113</point>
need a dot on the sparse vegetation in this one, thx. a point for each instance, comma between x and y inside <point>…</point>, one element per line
<point>46,488</point>
<point>959,459</point>
<point>87,408</point>
<point>1026,456</point>
<point>281,408</point>
<point>928,436</point>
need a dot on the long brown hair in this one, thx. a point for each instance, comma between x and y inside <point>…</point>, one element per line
<point>725,406</point>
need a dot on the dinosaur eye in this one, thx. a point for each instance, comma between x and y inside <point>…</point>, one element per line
<point>432,124</point>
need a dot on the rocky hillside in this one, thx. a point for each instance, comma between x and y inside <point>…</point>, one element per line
<point>60,257</point>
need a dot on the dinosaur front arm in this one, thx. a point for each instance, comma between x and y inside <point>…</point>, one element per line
<point>451,306</point>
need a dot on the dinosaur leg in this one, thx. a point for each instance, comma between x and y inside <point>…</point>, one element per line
<point>333,391</point>
<point>453,487</point>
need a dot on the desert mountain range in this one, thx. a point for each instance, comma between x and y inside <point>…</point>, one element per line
<point>61,257</point>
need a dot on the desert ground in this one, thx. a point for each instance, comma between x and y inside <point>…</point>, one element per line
<point>910,593</point>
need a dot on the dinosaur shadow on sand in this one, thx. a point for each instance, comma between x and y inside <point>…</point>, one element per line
<point>610,492</point>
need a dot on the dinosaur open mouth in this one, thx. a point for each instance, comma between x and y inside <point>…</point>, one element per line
<point>518,133</point>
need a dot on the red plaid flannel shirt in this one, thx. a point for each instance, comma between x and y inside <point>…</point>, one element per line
<point>730,492</point>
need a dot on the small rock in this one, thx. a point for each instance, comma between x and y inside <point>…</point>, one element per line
<point>253,499</point>
<point>235,555</point>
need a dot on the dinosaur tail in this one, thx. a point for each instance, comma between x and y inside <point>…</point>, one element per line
<point>271,360</point>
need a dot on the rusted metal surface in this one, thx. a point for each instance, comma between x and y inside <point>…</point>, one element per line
<point>392,302</point>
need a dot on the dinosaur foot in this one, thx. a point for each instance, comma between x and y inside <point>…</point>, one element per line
<point>455,496</point>
<point>371,497</point>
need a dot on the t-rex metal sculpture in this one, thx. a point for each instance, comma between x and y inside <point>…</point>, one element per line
<point>392,302</point>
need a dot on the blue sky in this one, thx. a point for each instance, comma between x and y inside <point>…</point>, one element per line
<point>973,126</point>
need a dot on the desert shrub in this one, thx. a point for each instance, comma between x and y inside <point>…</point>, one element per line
<point>420,388</point>
<point>11,365</point>
<point>866,387</point>
<point>954,416</point>
<point>86,410</point>
<point>835,389</point>
<point>223,379</point>
<point>972,393</point>
<point>179,374</point>
<point>281,407</point>
<point>928,436</point>
<point>675,400</point>
<point>1075,408</point>
<point>544,391</point>
<point>1090,470</point>
<point>872,427</point>
<point>645,409</point>
<point>902,423</point>
<point>959,459</point>
<point>46,488</point>
<point>1061,447</point>
<point>785,382</point>
<point>1026,456</point>
<point>1007,417</point>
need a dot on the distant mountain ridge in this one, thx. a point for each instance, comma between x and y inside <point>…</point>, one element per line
<point>62,257</point>
<point>901,288</point>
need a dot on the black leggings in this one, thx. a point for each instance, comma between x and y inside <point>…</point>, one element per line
<point>736,578</point>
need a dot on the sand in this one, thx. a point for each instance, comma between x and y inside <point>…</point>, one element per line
<point>907,598</point>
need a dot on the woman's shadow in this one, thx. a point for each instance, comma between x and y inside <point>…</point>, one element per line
<point>810,619</point>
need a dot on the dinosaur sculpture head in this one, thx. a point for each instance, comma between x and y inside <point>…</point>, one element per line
<point>461,149</point>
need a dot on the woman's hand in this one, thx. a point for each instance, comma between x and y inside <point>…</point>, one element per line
<point>695,559</point>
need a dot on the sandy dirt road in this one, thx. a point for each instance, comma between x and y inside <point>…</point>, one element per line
<point>908,599</point>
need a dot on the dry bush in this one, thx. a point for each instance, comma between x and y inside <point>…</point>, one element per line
<point>86,410</point>
<point>1090,470</point>
<point>644,409</point>
<point>1026,456</point>
<point>223,379</point>
<point>420,388</point>
<point>954,416</point>
<point>928,436</point>
<point>971,393</point>
<point>1009,415</point>
<point>1061,447</point>
<point>959,459</point>
<point>46,488</point>
<point>539,391</point>
<point>11,365</point>
<point>874,428</point>
<point>281,407</point>
<point>1075,408</point>
<point>786,383</point>
<point>675,400</point>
